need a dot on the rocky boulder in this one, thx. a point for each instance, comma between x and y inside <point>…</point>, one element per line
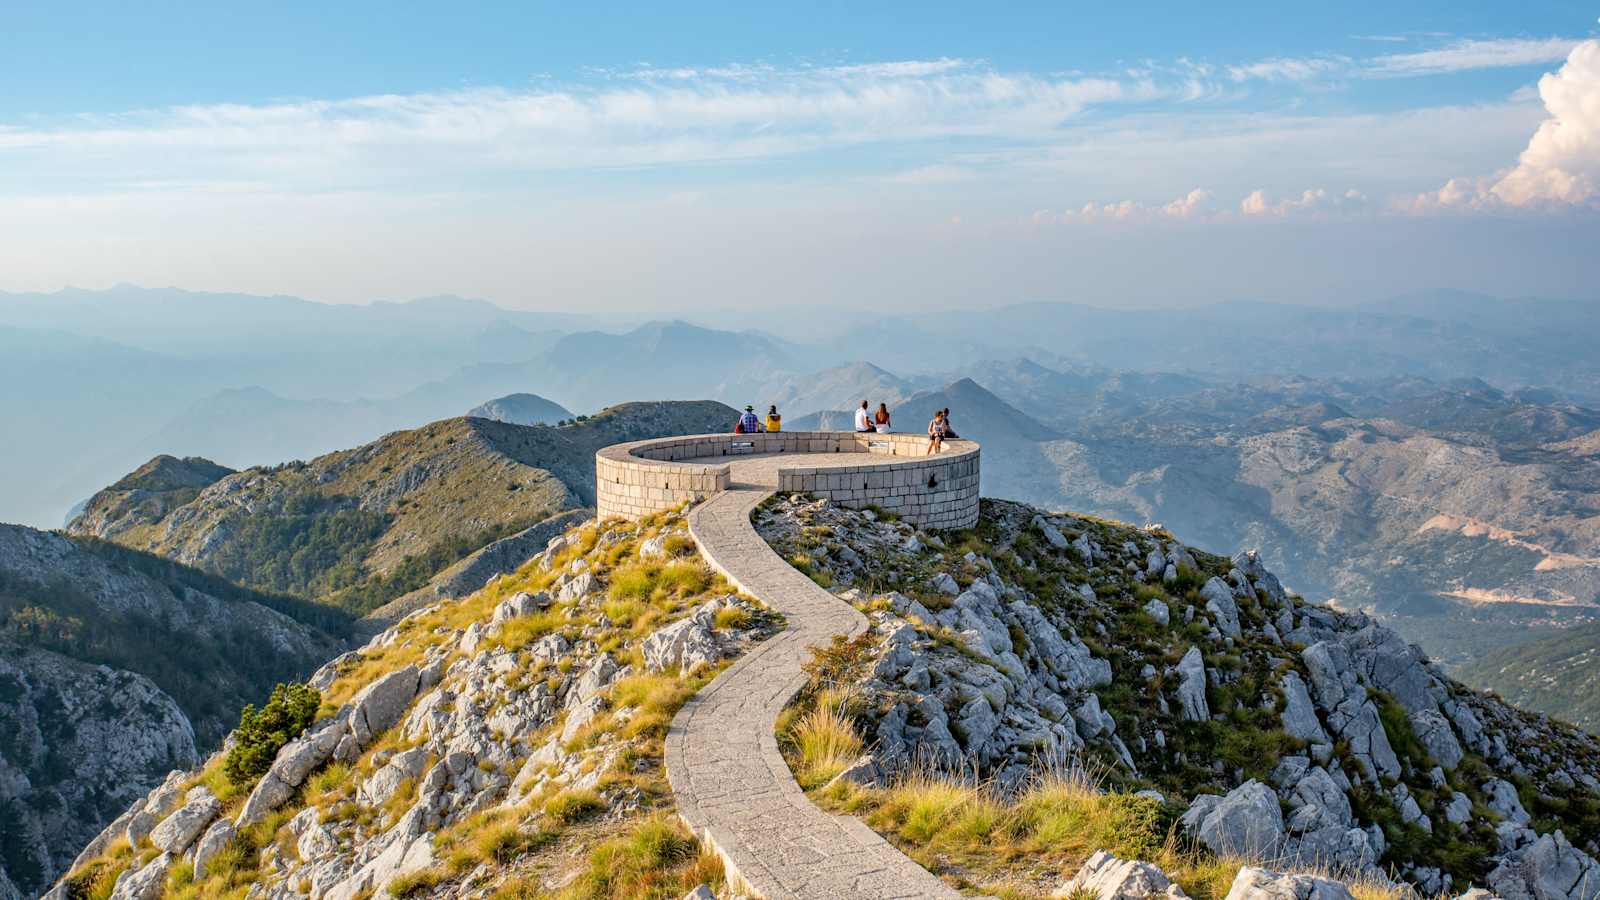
<point>1219,602</point>
<point>1260,884</point>
<point>1245,822</point>
<point>144,882</point>
<point>686,643</point>
<point>176,832</point>
<point>1106,877</point>
<point>1192,686</point>
<point>1549,868</point>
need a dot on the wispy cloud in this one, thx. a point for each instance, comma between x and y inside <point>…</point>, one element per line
<point>1460,56</point>
<point>1289,69</point>
<point>659,117</point>
<point>1474,54</point>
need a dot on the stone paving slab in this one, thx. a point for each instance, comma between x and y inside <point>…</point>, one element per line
<point>732,785</point>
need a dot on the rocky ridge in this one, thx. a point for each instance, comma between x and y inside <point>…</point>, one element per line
<point>487,743</point>
<point>1269,728</point>
<point>521,409</point>
<point>361,527</point>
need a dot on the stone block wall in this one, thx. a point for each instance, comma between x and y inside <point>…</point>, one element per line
<point>892,471</point>
<point>932,492</point>
<point>630,487</point>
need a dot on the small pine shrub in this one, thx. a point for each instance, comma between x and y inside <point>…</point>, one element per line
<point>261,734</point>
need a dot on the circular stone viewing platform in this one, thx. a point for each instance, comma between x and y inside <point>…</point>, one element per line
<point>890,471</point>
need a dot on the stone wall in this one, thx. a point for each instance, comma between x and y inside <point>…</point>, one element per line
<point>629,486</point>
<point>893,471</point>
<point>933,492</point>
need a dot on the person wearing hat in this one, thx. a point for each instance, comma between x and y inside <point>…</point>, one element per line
<point>774,421</point>
<point>748,423</point>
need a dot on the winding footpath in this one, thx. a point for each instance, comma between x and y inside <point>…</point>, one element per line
<point>732,785</point>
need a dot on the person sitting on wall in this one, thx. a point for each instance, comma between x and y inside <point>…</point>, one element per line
<point>748,423</point>
<point>949,433</point>
<point>880,419</point>
<point>774,421</point>
<point>936,433</point>
<point>863,418</point>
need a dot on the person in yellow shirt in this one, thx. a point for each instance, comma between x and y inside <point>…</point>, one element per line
<point>774,421</point>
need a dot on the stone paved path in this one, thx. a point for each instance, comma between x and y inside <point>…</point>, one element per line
<point>732,785</point>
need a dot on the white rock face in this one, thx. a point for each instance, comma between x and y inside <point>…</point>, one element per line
<point>1260,884</point>
<point>518,605</point>
<point>1052,535</point>
<point>79,745</point>
<point>214,839</point>
<point>1219,602</point>
<point>1157,610</point>
<point>176,832</point>
<point>1351,714</point>
<point>1245,822</point>
<point>293,763</point>
<point>1105,877</point>
<point>686,643</point>
<point>1502,799</point>
<point>1192,686</point>
<point>1549,868</point>
<point>379,705</point>
<point>1299,715</point>
<point>145,882</point>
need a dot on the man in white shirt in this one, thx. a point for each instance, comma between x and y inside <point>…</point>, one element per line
<point>863,418</point>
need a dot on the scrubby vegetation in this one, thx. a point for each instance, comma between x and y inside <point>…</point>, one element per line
<point>262,733</point>
<point>1558,675</point>
<point>986,830</point>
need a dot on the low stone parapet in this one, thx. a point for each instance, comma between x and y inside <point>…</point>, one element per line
<point>891,471</point>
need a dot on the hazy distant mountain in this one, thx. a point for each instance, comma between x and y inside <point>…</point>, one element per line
<point>249,379</point>
<point>1439,335</point>
<point>1464,513</point>
<point>199,324</point>
<point>840,387</point>
<point>521,409</point>
<point>592,369</point>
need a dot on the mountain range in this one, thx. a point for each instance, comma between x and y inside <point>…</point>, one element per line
<point>252,380</point>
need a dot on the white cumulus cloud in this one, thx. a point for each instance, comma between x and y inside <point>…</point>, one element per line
<point>1561,164</point>
<point>1313,200</point>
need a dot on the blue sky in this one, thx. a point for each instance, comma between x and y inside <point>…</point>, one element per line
<point>718,155</point>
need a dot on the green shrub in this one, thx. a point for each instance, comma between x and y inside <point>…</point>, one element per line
<point>288,712</point>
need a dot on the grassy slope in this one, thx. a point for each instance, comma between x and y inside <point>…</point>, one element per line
<point>1558,675</point>
<point>359,527</point>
